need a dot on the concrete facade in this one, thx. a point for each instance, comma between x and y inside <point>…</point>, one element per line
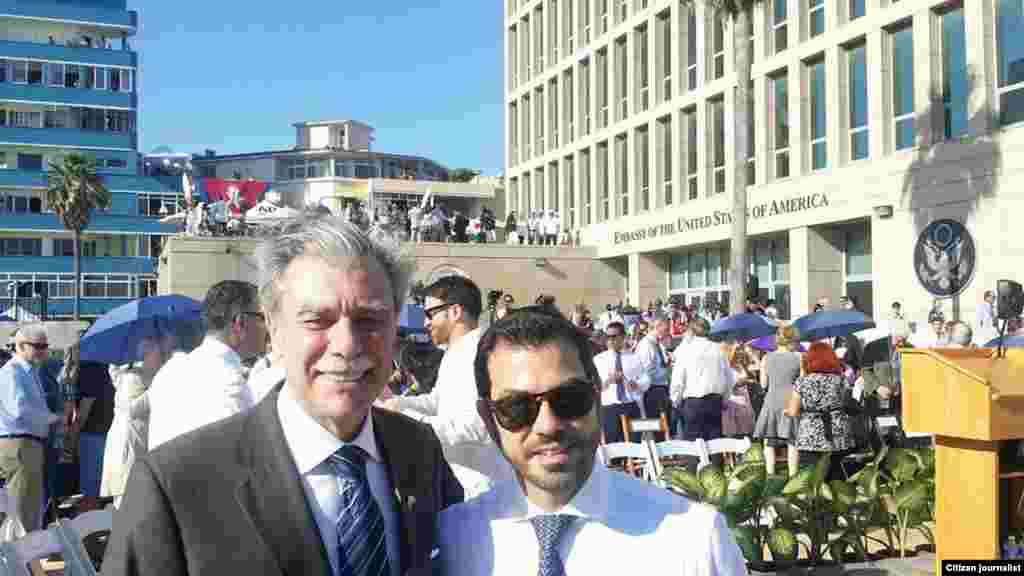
<point>872,120</point>
<point>191,265</point>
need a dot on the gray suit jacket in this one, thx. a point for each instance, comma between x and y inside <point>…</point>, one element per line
<point>227,499</point>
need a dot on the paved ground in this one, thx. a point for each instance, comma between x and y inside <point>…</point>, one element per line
<point>921,565</point>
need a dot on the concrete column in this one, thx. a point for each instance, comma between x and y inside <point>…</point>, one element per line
<point>761,126</point>
<point>798,109</point>
<point>980,41</point>
<point>877,124</point>
<point>648,278</point>
<point>834,98</point>
<point>816,267</point>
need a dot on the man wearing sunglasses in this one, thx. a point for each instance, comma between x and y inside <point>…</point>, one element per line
<point>566,513</point>
<point>453,306</point>
<point>25,421</point>
<point>618,370</point>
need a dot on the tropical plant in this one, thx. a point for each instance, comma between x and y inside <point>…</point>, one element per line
<point>901,482</point>
<point>747,497</point>
<point>740,12</point>
<point>73,192</point>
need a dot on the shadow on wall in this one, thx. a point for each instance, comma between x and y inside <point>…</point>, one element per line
<point>951,175</point>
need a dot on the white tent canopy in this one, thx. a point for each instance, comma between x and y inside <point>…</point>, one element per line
<point>267,213</point>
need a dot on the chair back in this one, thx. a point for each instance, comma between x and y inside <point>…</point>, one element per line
<point>669,452</point>
<point>637,458</point>
<point>645,426</point>
<point>728,446</point>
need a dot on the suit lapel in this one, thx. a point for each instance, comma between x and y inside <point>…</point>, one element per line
<point>273,497</point>
<point>401,466</point>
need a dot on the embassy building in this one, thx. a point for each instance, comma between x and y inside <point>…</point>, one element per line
<point>871,119</point>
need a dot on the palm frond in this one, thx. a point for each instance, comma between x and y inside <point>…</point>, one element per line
<point>74,190</point>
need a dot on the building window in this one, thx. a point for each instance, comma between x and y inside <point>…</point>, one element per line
<point>30,162</point>
<point>569,26</point>
<point>779,35</point>
<point>3,155</point>
<point>513,58</point>
<point>622,174</point>
<point>690,127</point>
<point>538,37</point>
<point>35,72</point>
<point>642,57</point>
<point>716,110</point>
<point>553,112</point>
<point>857,8</point>
<point>603,192</point>
<point>20,119</point>
<point>19,201</point>
<point>858,274</point>
<point>902,43</point>
<point>586,190</point>
<point>19,72</point>
<point>513,195</point>
<point>751,137</point>
<point>664,137</point>
<point>621,80</point>
<point>1011,61</point>
<point>717,64</point>
<point>700,277</point>
<point>643,166</point>
<point>569,101</point>
<point>527,142</point>
<point>513,136</point>
<point>552,20</point>
<point>527,195</point>
<point>553,187</point>
<point>621,11</point>
<point>151,204</point>
<point>538,120</point>
<point>524,44</point>
<point>664,42</point>
<point>602,12</point>
<point>817,112</point>
<point>602,88</point>
<point>778,96</point>
<point>540,202</point>
<point>3,70</point>
<point>569,165</point>
<point>21,247</point>
<point>692,75</point>
<point>858,83</point>
<point>56,75</point>
<point>585,22</point>
<point>584,94</point>
<point>770,264</point>
<point>954,73</point>
<point>816,16</point>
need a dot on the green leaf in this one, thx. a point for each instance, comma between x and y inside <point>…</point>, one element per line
<point>737,508</point>
<point>782,543</point>
<point>786,513</point>
<point>856,544</point>
<point>713,481</point>
<point>754,454</point>
<point>902,464</point>
<point>773,485</point>
<point>746,539</point>
<point>820,471</point>
<point>686,482</point>
<point>800,483</point>
<point>836,548</point>
<point>927,533</point>
<point>842,495</point>
<point>910,495</point>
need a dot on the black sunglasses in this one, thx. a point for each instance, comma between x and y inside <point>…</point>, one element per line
<point>569,402</point>
<point>433,310</point>
<point>37,345</point>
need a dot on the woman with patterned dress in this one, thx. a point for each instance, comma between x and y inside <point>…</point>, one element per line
<point>824,428</point>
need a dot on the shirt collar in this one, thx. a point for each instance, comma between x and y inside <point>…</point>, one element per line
<point>592,502</point>
<point>311,443</point>
<point>221,349</point>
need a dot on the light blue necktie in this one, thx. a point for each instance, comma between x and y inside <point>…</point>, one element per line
<point>362,548</point>
<point>550,530</point>
<point>620,387</point>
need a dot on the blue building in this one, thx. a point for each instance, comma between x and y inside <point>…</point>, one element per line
<point>69,84</point>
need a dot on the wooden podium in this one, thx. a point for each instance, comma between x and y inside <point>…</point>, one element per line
<point>972,402</point>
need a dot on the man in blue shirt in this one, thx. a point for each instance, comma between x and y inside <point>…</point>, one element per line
<point>25,421</point>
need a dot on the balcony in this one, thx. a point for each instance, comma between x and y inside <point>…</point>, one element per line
<point>60,53</point>
<point>115,182</point>
<point>67,137</point>
<point>109,13</point>
<point>65,265</point>
<point>70,96</point>
<point>102,222</point>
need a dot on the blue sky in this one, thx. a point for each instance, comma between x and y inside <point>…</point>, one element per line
<point>234,76</point>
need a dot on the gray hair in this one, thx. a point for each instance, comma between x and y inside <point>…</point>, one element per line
<point>331,238</point>
<point>962,335</point>
<point>32,332</point>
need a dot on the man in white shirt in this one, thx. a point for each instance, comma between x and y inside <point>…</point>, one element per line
<point>651,354</point>
<point>700,381</point>
<point>415,218</point>
<point>551,226</point>
<point>209,383</point>
<point>985,317</point>
<point>934,335</point>
<point>452,308</point>
<point>620,393</point>
<point>565,513</point>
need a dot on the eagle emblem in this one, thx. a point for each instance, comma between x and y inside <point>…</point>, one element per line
<point>944,258</point>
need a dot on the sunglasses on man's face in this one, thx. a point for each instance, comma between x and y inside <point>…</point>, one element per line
<point>38,345</point>
<point>568,402</point>
<point>434,310</point>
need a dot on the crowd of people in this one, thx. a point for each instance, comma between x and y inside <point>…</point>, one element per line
<point>299,431</point>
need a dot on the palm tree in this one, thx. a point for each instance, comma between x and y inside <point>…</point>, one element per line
<point>740,13</point>
<point>73,191</point>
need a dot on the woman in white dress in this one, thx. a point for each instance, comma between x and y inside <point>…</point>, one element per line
<point>129,432</point>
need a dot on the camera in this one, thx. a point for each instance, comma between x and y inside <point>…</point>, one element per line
<point>1010,302</point>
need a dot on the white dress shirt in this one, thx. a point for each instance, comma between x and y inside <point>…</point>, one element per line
<point>196,389</point>
<point>450,409</point>
<point>605,363</point>
<point>625,526</point>
<point>311,444</point>
<point>701,369</point>
<point>262,379</point>
<point>23,408</point>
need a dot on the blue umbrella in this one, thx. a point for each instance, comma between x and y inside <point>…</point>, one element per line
<point>412,319</point>
<point>742,327</point>
<point>115,336</point>
<point>768,344</point>
<point>831,323</point>
<point>1008,342</point>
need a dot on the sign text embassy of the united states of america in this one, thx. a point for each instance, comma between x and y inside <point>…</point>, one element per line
<point>719,218</point>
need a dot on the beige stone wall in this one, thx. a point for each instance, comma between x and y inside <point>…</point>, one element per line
<point>190,266</point>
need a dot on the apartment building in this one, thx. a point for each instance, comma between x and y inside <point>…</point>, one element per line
<point>870,119</point>
<point>69,83</point>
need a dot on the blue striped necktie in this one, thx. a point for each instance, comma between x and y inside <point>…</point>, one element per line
<point>550,530</point>
<point>362,547</point>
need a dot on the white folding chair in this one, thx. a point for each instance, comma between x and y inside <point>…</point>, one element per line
<point>21,557</point>
<point>637,456</point>
<point>672,449</point>
<point>73,532</point>
<point>731,446</point>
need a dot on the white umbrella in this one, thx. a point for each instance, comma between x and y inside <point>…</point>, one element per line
<point>266,213</point>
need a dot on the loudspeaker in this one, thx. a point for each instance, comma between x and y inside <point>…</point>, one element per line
<point>1010,303</point>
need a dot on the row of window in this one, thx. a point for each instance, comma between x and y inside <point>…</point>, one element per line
<point>36,162</point>
<point>59,75</point>
<point>143,246</point>
<point>527,133</point>
<point>303,168</point>
<point>93,285</point>
<point>78,118</point>
<point>151,204</point>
